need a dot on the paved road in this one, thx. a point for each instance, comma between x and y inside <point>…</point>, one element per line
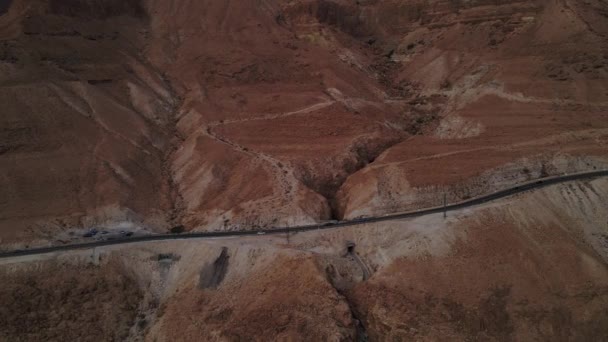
<point>282,230</point>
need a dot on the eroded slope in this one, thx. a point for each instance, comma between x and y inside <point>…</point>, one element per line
<point>525,89</point>
<point>223,115</point>
<point>85,120</point>
<point>531,267</point>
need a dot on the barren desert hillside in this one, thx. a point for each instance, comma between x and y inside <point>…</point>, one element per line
<point>124,120</point>
<point>223,115</point>
<point>527,268</point>
<point>86,122</point>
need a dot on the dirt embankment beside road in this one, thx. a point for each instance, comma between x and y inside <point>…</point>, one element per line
<point>531,267</point>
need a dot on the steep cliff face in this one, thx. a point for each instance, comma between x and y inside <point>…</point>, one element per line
<point>247,114</point>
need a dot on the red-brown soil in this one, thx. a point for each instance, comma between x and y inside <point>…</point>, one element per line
<point>235,115</point>
<point>499,285</point>
<point>289,300</point>
<point>54,302</point>
<point>531,267</point>
<point>84,125</point>
<point>240,114</point>
<point>526,88</point>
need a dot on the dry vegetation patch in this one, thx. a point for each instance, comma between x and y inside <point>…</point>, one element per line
<point>67,303</point>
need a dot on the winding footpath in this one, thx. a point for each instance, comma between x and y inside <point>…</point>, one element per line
<point>535,184</point>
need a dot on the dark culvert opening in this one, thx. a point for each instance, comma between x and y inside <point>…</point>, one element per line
<point>350,247</point>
